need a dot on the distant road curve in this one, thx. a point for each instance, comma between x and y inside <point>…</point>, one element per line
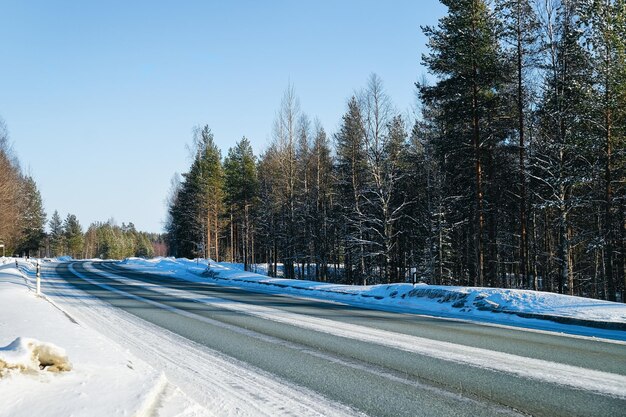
<point>377,363</point>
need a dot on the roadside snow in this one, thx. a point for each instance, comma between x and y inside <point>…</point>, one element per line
<point>495,305</point>
<point>26,354</point>
<point>99,377</point>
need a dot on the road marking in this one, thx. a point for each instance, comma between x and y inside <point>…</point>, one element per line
<point>572,376</point>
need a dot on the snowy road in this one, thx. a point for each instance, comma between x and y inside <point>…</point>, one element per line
<point>243,353</point>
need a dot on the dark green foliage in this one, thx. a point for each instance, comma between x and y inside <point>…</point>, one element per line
<point>351,168</point>
<point>73,234</point>
<point>56,238</point>
<point>472,102</point>
<point>196,205</point>
<point>110,241</point>
<point>241,190</point>
<point>33,218</point>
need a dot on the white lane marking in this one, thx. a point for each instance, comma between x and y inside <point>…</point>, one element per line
<point>573,376</point>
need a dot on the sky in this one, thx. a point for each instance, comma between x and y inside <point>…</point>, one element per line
<point>101,98</point>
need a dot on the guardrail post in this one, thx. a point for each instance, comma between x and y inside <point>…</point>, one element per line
<point>38,277</point>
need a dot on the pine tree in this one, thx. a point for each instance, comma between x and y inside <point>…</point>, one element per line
<point>606,23</point>
<point>520,32</point>
<point>466,56</point>
<point>560,164</point>
<point>207,173</point>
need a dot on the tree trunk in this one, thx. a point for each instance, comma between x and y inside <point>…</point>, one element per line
<point>216,239</point>
<point>232,236</point>
<point>608,196</point>
<point>523,250</point>
<point>208,235</point>
<point>480,218</point>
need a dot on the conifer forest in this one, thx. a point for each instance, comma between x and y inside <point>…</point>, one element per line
<point>510,171</point>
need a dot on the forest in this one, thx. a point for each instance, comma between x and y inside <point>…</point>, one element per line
<point>509,172</point>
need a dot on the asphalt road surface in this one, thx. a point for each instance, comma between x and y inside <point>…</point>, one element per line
<point>379,363</point>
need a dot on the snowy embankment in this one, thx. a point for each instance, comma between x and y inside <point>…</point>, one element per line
<point>53,365</point>
<point>496,305</point>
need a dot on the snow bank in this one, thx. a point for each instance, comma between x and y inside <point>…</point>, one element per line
<point>167,263</point>
<point>507,306</point>
<point>26,354</point>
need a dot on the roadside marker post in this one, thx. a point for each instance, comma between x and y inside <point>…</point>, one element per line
<point>38,277</point>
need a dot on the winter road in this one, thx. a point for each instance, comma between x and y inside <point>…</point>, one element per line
<point>371,362</point>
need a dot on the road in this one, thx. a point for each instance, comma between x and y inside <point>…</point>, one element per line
<point>377,363</point>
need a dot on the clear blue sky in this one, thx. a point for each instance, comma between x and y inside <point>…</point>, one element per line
<point>100,98</point>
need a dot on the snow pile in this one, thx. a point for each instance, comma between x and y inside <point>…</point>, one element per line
<point>508,306</point>
<point>169,265</point>
<point>26,354</point>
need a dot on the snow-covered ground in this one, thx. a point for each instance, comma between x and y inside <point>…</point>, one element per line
<point>534,309</point>
<point>54,365</point>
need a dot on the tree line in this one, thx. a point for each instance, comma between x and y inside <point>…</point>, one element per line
<point>22,217</point>
<point>511,172</point>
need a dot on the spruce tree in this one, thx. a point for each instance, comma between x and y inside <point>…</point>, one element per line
<point>202,196</point>
<point>32,219</point>
<point>56,237</point>
<point>322,200</point>
<point>351,169</point>
<point>73,233</point>
<point>241,196</point>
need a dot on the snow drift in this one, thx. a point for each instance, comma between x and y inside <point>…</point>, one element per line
<point>30,355</point>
